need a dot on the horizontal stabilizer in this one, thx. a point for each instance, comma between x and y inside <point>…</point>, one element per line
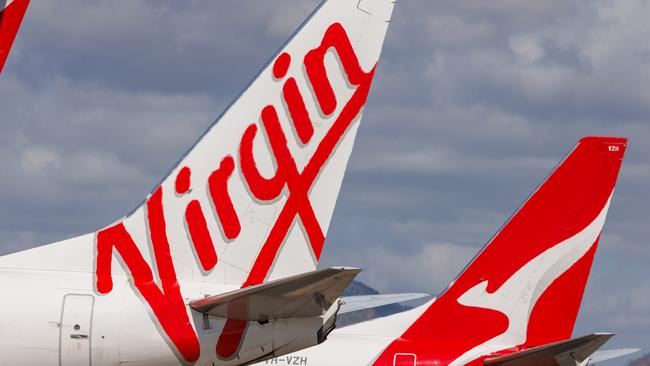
<point>610,354</point>
<point>571,352</point>
<point>362,302</point>
<point>304,295</point>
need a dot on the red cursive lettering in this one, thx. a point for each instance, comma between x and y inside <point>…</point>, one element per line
<point>166,304</point>
<point>294,100</point>
<point>266,189</point>
<point>218,185</point>
<point>298,111</point>
<point>299,184</point>
<point>336,38</point>
<point>230,338</point>
<point>200,235</point>
<point>182,184</point>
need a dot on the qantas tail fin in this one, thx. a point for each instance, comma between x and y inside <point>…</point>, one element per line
<point>525,287</point>
<point>11,15</point>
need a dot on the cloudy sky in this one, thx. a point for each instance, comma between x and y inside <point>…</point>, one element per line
<point>474,103</point>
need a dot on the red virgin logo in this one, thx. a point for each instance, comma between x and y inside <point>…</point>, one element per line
<point>165,301</point>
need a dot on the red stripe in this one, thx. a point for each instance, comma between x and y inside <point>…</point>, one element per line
<point>10,19</point>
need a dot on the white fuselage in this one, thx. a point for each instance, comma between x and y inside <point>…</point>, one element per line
<point>56,318</point>
<point>355,345</point>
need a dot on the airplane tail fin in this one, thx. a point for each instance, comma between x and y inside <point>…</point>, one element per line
<point>525,287</point>
<point>536,268</point>
<point>253,198</point>
<point>11,15</point>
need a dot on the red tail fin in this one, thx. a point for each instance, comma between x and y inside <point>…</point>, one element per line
<point>11,15</point>
<point>526,286</point>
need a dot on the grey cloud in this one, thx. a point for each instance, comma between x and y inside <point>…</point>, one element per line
<point>205,46</point>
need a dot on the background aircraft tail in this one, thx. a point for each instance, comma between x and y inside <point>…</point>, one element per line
<point>11,15</point>
<point>525,287</point>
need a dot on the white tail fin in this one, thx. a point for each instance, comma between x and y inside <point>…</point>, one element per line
<point>253,199</point>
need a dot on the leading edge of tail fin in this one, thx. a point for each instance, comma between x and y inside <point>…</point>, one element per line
<point>11,15</point>
<point>525,287</point>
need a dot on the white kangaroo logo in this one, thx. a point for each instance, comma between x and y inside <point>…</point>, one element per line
<point>517,297</point>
